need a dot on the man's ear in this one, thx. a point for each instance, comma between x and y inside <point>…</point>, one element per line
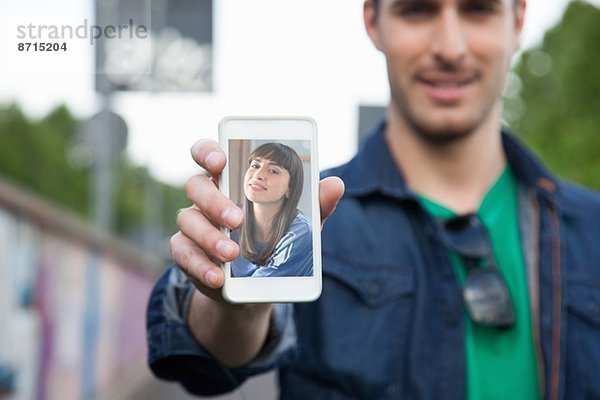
<point>370,20</point>
<point>520,8</point>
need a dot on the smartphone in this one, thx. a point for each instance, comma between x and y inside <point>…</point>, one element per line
<point>272,174</point>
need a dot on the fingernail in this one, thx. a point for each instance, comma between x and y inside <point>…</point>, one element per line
<point>232,216</point>
<point>212,278</point>
<point>225,248</point>
<point>214,159</point>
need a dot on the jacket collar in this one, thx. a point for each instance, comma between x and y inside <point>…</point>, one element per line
<point>528,169</point>
<point>374,170</point>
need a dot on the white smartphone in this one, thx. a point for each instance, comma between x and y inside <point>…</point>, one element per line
<point>272,173</point>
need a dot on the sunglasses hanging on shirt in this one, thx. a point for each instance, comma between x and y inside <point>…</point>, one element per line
<point>485,293</point>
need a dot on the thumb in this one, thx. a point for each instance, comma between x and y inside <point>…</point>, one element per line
<point>331,190</point>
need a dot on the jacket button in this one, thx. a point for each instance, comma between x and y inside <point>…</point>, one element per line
<point>374,289</point>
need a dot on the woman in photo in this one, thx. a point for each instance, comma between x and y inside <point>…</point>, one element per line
<point>275,239</point>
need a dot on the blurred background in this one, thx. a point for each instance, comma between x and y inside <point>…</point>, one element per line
<point>95,138</point>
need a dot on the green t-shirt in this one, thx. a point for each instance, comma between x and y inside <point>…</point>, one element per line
<point>501,364</point>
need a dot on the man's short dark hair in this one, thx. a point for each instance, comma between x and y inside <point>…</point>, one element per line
<point>376,4</point>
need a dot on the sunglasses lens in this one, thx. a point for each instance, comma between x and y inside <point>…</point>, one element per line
<point>466,235</point>
<point>485,293</point>
<point>487,299</point>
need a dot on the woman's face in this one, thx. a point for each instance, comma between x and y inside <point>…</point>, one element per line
<point>266,182</point>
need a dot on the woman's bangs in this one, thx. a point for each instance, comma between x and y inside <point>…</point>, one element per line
<point>275,153</point>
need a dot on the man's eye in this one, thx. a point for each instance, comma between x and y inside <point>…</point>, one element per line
<point>416,9</point>
<point>479,8</point>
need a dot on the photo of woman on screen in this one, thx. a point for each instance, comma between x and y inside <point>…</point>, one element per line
<point>275,239</point>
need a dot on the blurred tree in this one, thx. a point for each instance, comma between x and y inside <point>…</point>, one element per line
<point>33,154</point>
<point>38,154</point>
<point>553,102</point>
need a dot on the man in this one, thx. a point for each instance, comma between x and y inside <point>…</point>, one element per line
<point>455,266</point>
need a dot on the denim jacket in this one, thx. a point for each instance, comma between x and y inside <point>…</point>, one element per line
<point>389,323</point>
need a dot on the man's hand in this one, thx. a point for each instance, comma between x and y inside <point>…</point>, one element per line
<point>234,334</point>
<point>200,247</point>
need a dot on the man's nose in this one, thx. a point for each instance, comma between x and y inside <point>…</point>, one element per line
<point>449,44</point>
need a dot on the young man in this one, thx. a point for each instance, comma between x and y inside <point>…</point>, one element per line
<point>455,266</point>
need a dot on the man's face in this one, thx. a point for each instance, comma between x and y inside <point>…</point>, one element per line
<point>446,59</point>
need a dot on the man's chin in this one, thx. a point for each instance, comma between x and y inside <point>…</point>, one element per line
<point>441,134</point>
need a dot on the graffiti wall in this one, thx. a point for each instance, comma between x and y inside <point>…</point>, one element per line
<point>72,303</point>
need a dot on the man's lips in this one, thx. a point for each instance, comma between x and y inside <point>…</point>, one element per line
<point>446,87</point>
<point>447,78</point>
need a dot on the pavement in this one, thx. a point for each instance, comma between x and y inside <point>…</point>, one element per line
<point>140,384</point>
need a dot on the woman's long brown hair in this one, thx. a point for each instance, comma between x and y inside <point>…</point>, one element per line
<point>287,158</point>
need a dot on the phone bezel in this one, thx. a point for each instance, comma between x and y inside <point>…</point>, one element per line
<point>274,289</point>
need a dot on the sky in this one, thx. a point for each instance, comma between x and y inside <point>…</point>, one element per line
<point>271,57</point>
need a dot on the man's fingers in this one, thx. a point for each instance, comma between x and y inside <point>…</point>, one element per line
<point>194,263</point>
<point>192,223</point>
<point>212,203</point>
<point>209,156</point>
<point>331,190</point>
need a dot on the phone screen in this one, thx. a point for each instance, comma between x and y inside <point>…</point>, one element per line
<point>271,182</point>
